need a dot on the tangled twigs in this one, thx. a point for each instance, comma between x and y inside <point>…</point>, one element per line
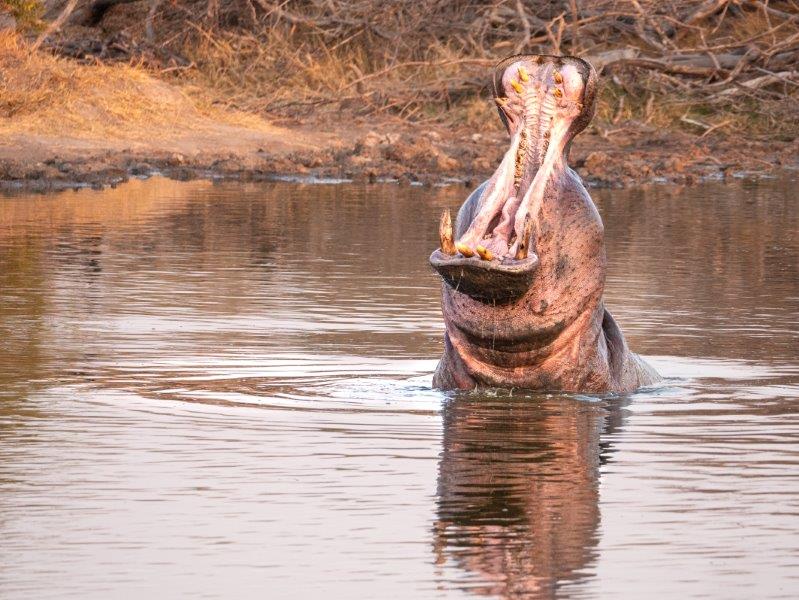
<point>415,59</point>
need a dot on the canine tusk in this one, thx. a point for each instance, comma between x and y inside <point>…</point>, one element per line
<point>445,233</point>
<point>524,243</point>
<point>523,75</point>
<point>517,86</point>
<point>557,77</point>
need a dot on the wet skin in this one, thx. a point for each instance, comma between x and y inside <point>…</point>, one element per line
<point>524,265</point>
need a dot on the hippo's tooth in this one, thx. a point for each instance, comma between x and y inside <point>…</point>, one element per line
<point>557,77</point>
<point>517,86</point>
<point>445,233</point>
<point>464,249</point>
<point>484,253</point>
<point>524,242</point>
<point>558,93</point>
<point>523,74</point>
<point>501,101</point>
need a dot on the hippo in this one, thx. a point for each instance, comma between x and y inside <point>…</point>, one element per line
<point>524,267</point>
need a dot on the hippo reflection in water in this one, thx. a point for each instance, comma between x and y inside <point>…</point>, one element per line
<point>518,492</point>
<point>524,268</point>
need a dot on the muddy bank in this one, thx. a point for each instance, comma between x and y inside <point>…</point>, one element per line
<point>618,158</point>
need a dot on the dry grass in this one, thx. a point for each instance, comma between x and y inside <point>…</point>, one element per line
<point>710,67</point>
<point>56,96</point>
<point>47,95</point>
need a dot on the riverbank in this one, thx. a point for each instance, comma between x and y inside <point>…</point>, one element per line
<point>392,151</point>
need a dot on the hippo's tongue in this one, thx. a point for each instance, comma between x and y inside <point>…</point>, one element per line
<point>495,196</point>
<point>541,104</point>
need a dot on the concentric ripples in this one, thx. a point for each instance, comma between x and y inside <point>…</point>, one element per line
<point>223,391</point>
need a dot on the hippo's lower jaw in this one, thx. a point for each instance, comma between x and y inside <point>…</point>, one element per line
<point>495,281</point>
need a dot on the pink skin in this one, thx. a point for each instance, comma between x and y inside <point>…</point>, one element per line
<point>536,112</point>
<point>500,186</point>
<point>566,109</point>
<point>558,335</point>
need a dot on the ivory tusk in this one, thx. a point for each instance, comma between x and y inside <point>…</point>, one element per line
<point>445,233</point>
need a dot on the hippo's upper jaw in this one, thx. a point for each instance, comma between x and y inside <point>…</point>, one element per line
<point>544,101</point>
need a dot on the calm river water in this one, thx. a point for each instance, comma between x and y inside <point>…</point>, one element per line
<point>223,391</point>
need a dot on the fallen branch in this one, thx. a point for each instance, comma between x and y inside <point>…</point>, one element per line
<point>758,83</point>
<point>694,65</point>
<point>709,8</point>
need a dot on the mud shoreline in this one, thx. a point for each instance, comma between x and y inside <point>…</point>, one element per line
<point>403,155</point>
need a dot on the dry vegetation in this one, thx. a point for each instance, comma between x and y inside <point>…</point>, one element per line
<point>46,93</point>
<point>64,121</point>
<point>697,64</point>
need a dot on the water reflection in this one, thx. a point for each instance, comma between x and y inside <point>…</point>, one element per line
<point>518,491</point>
<point>713,269</point>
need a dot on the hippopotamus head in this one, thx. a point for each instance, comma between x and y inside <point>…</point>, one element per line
<point>544,101</point>
<point>524,265</point>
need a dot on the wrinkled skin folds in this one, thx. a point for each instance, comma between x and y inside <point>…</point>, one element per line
<point>524,263</point>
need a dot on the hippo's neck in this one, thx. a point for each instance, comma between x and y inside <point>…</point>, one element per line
<point>568,356</point>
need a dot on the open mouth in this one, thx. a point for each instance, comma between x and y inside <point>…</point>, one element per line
<point>542,101</point>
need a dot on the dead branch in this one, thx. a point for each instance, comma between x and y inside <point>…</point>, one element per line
<point>55,25</point>
<point>149,31</point>
<point>705,10</point>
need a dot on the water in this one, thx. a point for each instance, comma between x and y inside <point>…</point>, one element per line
<point>223,391</point>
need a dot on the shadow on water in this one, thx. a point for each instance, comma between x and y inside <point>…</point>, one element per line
<point>518,490</point>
